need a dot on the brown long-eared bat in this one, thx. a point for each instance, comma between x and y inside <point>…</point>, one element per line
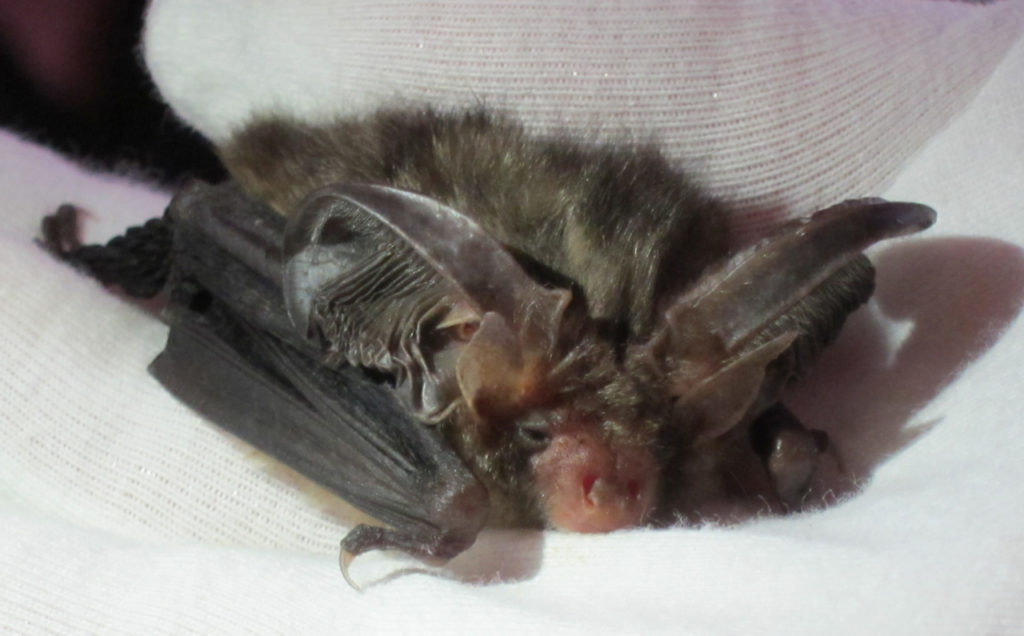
<point>452,323</point>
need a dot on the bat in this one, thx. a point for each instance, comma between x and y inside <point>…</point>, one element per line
<point>452,323</point>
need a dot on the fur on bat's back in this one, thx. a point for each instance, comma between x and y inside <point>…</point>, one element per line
<point>618,221</point>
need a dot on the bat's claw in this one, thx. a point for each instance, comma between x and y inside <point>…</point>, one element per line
<point>345,559</point>
<point>439,546</point>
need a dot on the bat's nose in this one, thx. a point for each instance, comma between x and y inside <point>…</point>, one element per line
<point>606,504</point>
<point>598,488</point>
<point>598,491</point>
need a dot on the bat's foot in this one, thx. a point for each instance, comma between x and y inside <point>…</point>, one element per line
<point>790,451</point>
<point>438,547</point>
<point>60,231</point>
<point>139,260</point>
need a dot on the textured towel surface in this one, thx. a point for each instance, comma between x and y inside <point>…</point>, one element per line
<point>122,512</point>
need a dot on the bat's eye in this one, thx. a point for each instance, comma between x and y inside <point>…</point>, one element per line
<point>533,434</point>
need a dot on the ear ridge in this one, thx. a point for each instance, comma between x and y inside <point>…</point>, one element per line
<point>399,282</point>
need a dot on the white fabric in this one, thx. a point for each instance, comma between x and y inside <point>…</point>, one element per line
<point>123,512</point>
<point>777,105</point>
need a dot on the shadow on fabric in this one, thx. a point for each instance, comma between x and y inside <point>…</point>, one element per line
<point>939,305</point>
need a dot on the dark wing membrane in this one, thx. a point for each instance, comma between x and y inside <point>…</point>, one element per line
<point>336,427</point>
<point>234,356</point>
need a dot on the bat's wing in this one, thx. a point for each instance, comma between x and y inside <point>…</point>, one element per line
<point>234,356</point>
<point>341,430</point>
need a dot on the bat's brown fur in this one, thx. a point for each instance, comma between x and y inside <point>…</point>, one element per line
<point>617,223</point>
<point>601,216</point>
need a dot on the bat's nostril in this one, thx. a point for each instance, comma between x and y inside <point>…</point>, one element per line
<point>589,481</point>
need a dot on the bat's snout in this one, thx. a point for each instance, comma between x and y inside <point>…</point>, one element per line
<point>589,486</point>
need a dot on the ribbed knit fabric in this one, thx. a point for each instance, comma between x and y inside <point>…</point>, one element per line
<point>779,107</point>
<point>123,512</point>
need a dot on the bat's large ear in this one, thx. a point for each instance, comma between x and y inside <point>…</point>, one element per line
<point>397,281</point>
<point>718,339</point>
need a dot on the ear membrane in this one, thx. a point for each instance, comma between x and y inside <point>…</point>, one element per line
<point>737,300</point>
<point>718,338</point>
<point>398,282</point>
<point>320,247</point>
<point>719,402</point>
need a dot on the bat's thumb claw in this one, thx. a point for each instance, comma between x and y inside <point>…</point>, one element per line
<point>345,559</point>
